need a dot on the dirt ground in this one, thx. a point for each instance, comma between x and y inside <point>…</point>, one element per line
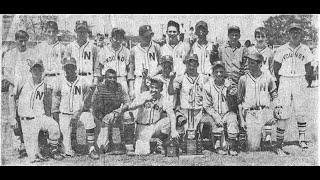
<point>9,157</point>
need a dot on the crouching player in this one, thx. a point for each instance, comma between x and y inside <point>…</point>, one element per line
<point>216,105</point>
<point>32,97</point>
<point>69,104</point>
<point>256,91</point>
<point>155,117</point>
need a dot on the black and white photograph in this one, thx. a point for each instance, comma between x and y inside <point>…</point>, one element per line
<point>159,90</point>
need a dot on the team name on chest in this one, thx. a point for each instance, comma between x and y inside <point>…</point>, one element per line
<point>120,58</point>
<point>295,55</point>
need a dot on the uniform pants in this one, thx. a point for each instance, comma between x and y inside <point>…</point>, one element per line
<point>144,133</point>
<point>31,128</point>
<point>65,125</point>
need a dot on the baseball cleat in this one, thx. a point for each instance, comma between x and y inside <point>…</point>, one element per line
<point>69,154</point>
<point>233,153</point>
<point>93,154</point>
<point>281,152</point>
<point>303,145</point>
<point>22,154</point>
<point>221,151</point>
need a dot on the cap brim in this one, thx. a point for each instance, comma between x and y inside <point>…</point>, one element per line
<point>82,27</point>
<point>148,33</point>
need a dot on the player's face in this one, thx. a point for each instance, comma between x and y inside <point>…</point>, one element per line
<point>219,73</point>
<point>172,33</point>
<point>234,36</point>
<point>154,89</point>
<point>253,65</point>
<point>147,38</point>
<point>261,38</point>
<point>82,34</point>
<point>192,66</point>
<point>70,70</point>
<point>22,44</point>
<point>201,32</point>
<point>166,68</point>
<point>295,35</point>
<point>111,79</point>
<point>117,39</point>
<point>36,72</point>
<point>52,34</point>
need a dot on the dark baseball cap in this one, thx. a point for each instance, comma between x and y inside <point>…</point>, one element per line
<point>191,56</point>
<point>82,24</point>
<point>117,31</point>
<point>52,24</point>
<point>218,64</point>
<point>201,23</point>
<point>255,56</point>
<point>145,30</point>
<point>260,30</point>
<point>69,60</point>
<point>174,24</point>
<point>33,63</point>
<point>233,29</point>
<point>21,35</point>
<point>166,58</point>
<point>294,26</point>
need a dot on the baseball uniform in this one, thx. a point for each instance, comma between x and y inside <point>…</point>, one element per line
<point>267,53</point>
<point>178,52</point>
<point>31,98</point>
<point>86,57</point>
<point>203,52</point>
<point>255,96</point>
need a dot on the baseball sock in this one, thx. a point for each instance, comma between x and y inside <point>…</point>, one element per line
<point>90,137</point>
<point>53,144</point>
<point>280,136</point>
<point>268,130</point>
<point>232,138</point>
<point>216,140</point>
<point>302,126</point>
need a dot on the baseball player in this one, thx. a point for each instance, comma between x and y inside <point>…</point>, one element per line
<point>175,48</point>
<point>85,52</point>
<point>14,65</point>
<point>30,92</point>
<point>256,91</point>
<point>109,101</point>
<point>232,53</point>
<point>292,61</point>
<point>261,47</point>
<point>215,103</point>
<point>71,95</point>
<point>99,41</point>
<point>143,57</point>
<point>51,52</point>
<point>203,48</point>
<point>155,117</point>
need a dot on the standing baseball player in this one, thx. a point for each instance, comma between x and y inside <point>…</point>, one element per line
<point>175,48</point>
<point>30,92</point>
<point>14,66</point>
<point>256,91</point>
<point>203,48</point>
<point>144,57</point>
<point>292,61</point>
<point>85,52</point>
<point>215,103</point>
<point>70,103</point>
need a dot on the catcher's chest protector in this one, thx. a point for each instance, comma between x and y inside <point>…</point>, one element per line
<point>109,100</point>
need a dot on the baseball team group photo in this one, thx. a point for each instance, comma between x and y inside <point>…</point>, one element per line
<point>159,90</point>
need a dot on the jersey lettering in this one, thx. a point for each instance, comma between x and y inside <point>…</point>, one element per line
<point>297,55</point>
<point>77,90</point>
<point>39,95</point>
<point>152,56</point>
<point>87,55</point>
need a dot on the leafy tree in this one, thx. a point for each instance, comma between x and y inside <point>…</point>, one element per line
<point>277,28</point>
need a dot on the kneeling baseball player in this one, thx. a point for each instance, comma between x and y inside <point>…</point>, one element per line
<point>69,105</point>
<point>216,106</point>
<point>256,91</point>
<point>155,117</point>
<point>32,97</point>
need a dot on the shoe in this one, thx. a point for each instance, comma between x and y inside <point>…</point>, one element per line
<point>22,154</point>
<point>39,158</point>
<point>69,154</point>
<point>303,145</point>
<point>93,153</point>
<point>281,152</point>
<point>221,151</point>
<point>233,152</point>
<point>55,154</point>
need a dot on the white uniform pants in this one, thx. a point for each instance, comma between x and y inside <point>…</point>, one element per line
<point>31,128</point>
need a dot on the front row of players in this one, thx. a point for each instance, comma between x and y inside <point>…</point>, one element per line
<point>165,105</point>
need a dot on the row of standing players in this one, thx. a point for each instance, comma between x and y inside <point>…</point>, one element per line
<point>239,102</point>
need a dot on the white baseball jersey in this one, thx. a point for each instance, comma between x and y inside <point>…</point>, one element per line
<point>144,58</point>
<point>69,97</point>
<point>203,53</point>
<point>117,60</point>
<point>51,55</point>
<point>191,91</point>
<point>215,97</point>
<point>85,56</point>
<point>293,60</point>
<point>178,54</point>
<point>267,54</point>
<point>169,98</point>
<point>15,64</point>
<point>30,103</point>
<point>253,92</point>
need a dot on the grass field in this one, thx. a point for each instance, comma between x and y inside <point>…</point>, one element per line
<point>296,158</point>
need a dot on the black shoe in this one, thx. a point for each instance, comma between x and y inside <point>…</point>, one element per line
<point>93,154</point>
<point>281,152</point>
<point>22,154</point>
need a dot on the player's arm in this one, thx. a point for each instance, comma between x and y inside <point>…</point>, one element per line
<point>277,64</point>
<point>158,55</point>
<point>96,69</point>
<point>56,100</point>
<point>172,117</point>
<point>131,75</point>
<point>14,94</point>
<point>208,103</point>
<point>174,84</point>
<point>308,59</point>
<point>241,95</point>
<point>138,102</point>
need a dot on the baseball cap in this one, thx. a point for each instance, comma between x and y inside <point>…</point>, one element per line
<point>145,30</point>
<point>294,25</point>
<point>260,30</point>
<point>166,58</point>
<point>52,24</point>
<point>116,31</point>
<point>218,64</point>
<point>82,24</point>
<point>21,35</point>
<point>33,63</point>
<point>255,56</point>
<point>174,24</point>
<point>233,29</point>
<point>69,60</point>
<point>201,23</point>
<point>191,56</point>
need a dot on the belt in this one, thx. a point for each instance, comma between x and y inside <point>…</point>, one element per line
<point>26,118</point>
<point>84,74</point>
<point>147,124</point>
<point>256,108</point>
<point>67,114</point>
<point>53,74</point>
